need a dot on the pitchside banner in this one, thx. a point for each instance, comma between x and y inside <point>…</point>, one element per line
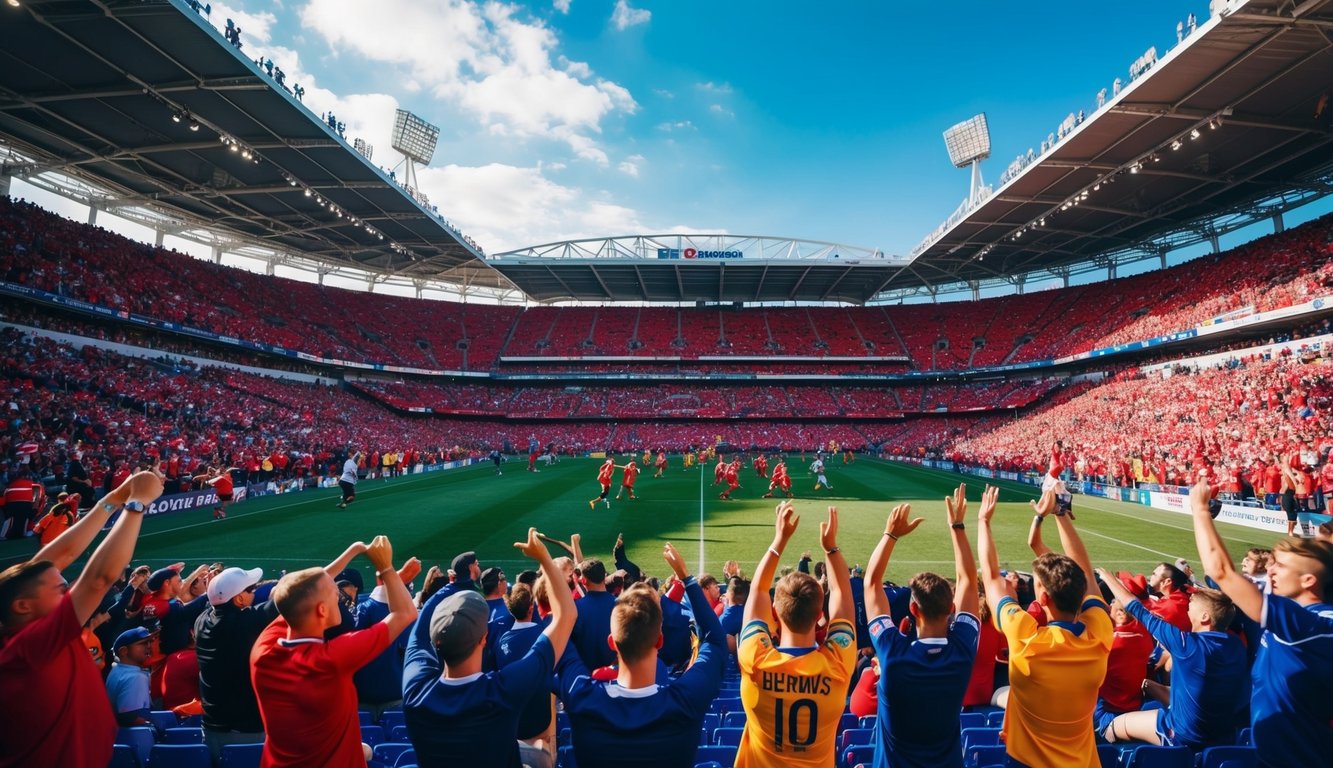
<point>184,502</point>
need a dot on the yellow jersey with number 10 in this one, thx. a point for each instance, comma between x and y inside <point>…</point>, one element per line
<point>793,701</point>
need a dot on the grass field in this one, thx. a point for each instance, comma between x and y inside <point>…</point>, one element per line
<point>435,516</point>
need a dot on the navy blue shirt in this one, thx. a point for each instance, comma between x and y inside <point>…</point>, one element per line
<point>655,726</point>
<point>1292,706</point>
<point>512,646</point>
<point>1210,683</point>
<point>471,720</point>
<point>921,687</point>
<point>592,628</point>
<point>380,681</point>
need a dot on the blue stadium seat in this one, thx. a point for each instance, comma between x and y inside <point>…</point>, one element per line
<point>995,719</point>
<point>388,752</point>
<point>972,720</point>
<point>391,718</point>
<point>399,733</point>
<point>728,737</point>
<point>1161,757</point>
<point>717,754</point>
<point>733,720</point>
<point>979,757</point>
<point>193,721</point>
<point>705,737</point>
<point>1245,737</point>
<point>180,756</point>
<point>867,722</point>
<point>848,720</point>
<point>183,736</point>
<point>140,737</point>
<point>855,737</point>
<point>709,764</point>
<point>372,735</point>
<point>980,737</point>
<point>1109,755</point>
<point>366,717</point>
<point>162,719</point>
<point>712,721</point>
<point>565,758</point>
<point>123,756</point>
<point>406,758</point>
<point>561,720</point>
<point>863,753</point>
<point>1216,757</point>
<point>242,755</point>
<point>564,737</point>
<point>723,706</point>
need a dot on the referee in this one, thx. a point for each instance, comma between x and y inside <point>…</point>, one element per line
<point>348,480</point>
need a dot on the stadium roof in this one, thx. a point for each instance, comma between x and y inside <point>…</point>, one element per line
<point>91,89</point>
<point>1223,124</point>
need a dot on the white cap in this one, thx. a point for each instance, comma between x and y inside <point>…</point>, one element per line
<point>232,582</point>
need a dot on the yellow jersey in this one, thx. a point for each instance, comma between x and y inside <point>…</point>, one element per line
<point>793,701</point>
<point>1054,674</point>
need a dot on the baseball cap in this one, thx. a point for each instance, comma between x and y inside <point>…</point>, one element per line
<point>160,577</point>
<point>462,563</point>
<point>232,582</point>
<point>490,578</point>
<point>1134,582</point>
<point>459,623</point>
<point>130,637</point>
<point>350,576</point>
<point>1182,563</point>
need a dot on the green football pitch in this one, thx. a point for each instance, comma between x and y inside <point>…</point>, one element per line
<point>435,516</point>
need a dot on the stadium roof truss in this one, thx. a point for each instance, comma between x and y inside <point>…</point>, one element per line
<point>1220,133</point>
<point>698,267</point>
<point>140,107</point>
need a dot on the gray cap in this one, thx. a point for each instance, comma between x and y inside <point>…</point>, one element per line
<point>459,623</point>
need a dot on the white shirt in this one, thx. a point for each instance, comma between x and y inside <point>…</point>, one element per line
<point>349,472</point>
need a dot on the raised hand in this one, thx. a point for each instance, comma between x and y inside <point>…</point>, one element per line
<point>1201,494</point>
<point>410,570</point>
<point>898,524</point>
<point>828,530</point>
<point>675,560</point>
<point>380,552</point>
<point>957,504</point>
<point>786,521</point>
<point>143,487</point>
<point>1045,505</point>
<point>988,501</point>
<point>533,547</point>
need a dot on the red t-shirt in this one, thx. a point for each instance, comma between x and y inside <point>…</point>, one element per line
<point>222,484</point>
<point>1173,609</point>
<point>306,696</point>
<point>1126,667</point>
<point>604,474</point>
<point>981,687</point>
<point>53,704</point>
<point>180,681</point>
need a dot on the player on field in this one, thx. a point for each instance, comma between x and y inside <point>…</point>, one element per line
<point>604,474</point>
<point>781,480</point>
<point>817,469</point>
<point>1290,705</point>
<point>631,471</point>
<point>761,466</point>
<point>1056,668</point>
<point>220,478</point>
<point>794,689</point>
<point>719,471</point>
<point>732,478</point>
<point>661,462</point>
<point>647,456</point>
<point>922,679</point>
<point>1052,482</point>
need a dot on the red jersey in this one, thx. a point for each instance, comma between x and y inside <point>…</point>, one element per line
<point>631,472</point>
<point>222,484</point>
<point>981,686</point>
<point>1272,479</point>
<point>1126,667</point>
<point>306,696</point>
<point>53,702</point>
<point>604,474</point>
<point>180,681</point>
<point>1173,609</point>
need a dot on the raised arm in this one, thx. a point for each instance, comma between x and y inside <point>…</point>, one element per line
<point>965,566</point>
<point>996,587</point>
<point>896,527</point>
<point>1040,513</point>
<point>342,561</point>
<point>70,545</point>
<point>402,611</point>
<point>840,601</point>
<point>1069,538</point>
<point>108,561</point>
<point>759,605</point>
<point>710,629</point>
<point>1215,559</point>
<point>563,612</point>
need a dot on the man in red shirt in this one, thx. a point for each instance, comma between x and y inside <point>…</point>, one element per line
<point>1174,604</point>
<point>1127,665</point>
<point>220,479</point>
<point>303,684</point>
<point>53,704</point>
<point>604,474</point>
<point>732,476</point>
<point>627,479</point>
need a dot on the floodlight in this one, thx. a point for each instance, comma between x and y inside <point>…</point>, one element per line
<point>414,137</point>
<point>968,142</point>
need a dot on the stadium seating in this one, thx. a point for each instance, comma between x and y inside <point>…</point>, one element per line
<point>242,755</point>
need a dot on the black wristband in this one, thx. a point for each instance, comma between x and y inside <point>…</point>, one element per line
<point>958,526</point>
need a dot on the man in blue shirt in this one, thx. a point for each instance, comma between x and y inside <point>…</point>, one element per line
<point>1290,705</point>
<point>379,684</point>
<point>922,680</point>
<point>494,587</point>
<point>456,713</point>
<point>634,721</point>
<point>127,684</point>
<point>1209,679</point>
<point>738,590</point>
<point>536,724</point>
<point>594,621</point>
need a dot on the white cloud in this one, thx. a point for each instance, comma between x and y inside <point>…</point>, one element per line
<point>256,28</point>
<point>679,125</point>
<point>630,165</point>
<point>562,5</point>
<point>718,109</point>
<point>664,93</point>
<point>712,87</point>
<point>624,17</point>
<point>482,58</point>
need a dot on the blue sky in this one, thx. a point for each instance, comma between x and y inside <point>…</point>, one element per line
<point>563,119</point>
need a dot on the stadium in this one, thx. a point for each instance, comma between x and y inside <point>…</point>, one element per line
<point>237,335</point>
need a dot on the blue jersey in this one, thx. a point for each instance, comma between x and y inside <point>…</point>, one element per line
<point>512,646</point>
<point>1209,682</point>
<point>471,720</point>
<point>920,690</point>
<point>381,680</point>
<point>592,628</point>
<point>1293,676</point>
<point>657,726</point>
